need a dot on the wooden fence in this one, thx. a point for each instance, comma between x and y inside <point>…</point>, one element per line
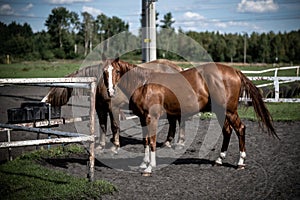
<point>82,82</point>
<point>276,81</point>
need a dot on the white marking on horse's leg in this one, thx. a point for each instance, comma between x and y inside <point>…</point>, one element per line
<point>115,149</point>
<point>146,159</point>
<point>110,83</point>
<point>152,164</point>
<point>148,170</point>
<point>181,136</point>
<point>221,158</point>
<point>242,159</point>
<point>153,159</point>
<point>167,144</point>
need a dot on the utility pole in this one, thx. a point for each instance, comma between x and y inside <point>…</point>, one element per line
<point>148,30</point>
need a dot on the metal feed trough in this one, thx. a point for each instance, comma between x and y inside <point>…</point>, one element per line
<point>34,117</point>
<point>32,112</point>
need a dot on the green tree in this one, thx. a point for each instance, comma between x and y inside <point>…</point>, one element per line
<point>218,48</point>
<point>58,24</point>
<point>264,48</point>
<point>253,47</point>
<point>87,28</point>
<point>42,46</point>
<point>102,27</point>
<point>16,40</point>
<point>231,44</point>
<point>293,51</point>
<point>106,27</point>
<point>168,21</point>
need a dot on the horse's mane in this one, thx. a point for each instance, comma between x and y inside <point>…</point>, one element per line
<point>136,76</point>
<point>89,71</point>
<point>58,96</point>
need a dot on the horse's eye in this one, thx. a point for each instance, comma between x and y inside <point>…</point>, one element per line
<point>118,72</point>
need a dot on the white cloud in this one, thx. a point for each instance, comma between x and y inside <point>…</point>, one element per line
<point>196,22</point>
<point>28,7</point>
<point>258,6</point>
<point>221,25</point>
<point>67,1</point>
<point>192,15</point>
<point>6,9</point>
<point>91,10</point>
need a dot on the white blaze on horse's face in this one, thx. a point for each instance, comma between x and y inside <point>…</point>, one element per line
<point>111,89</point>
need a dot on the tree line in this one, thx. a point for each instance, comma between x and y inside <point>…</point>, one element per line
<point>260,48</point>
<point>68,37</point>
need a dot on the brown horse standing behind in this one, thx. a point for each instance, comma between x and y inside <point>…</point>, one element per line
<point>209,86</point>
<point>58,96</point>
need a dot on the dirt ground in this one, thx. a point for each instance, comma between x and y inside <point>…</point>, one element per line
<point>272,166</point>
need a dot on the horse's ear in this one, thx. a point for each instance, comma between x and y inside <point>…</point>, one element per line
<point>117,57</point>
<point>103,57</point>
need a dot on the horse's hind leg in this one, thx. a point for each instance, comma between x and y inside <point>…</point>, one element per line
<point>181,134</point>
<point>240,130</point>
<point>226,130</point>
<point>171,132</point>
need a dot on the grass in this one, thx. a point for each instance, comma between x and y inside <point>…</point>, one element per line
<point>59,68</point>
<point>25,178</point>
<point>279,111</point>
<point>289,72</point>
<point>39,69</point>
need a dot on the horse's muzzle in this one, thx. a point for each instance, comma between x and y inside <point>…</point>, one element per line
<point>111,92</point>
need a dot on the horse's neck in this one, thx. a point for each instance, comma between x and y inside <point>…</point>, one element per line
<point>127,66</point>
<point>135,78</point>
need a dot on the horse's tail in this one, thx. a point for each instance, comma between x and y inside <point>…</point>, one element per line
<point>58,96</point>
<point>260,108</point>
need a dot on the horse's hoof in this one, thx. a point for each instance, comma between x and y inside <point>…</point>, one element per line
<point>146,174</point>
<point>167,144</point>
<point>143,165</point>
<point>240,167</point>
<point>115,149</point>
<point>99,149</point>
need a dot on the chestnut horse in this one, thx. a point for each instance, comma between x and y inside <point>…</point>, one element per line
<point>209,86</point>
<point>58,96</point>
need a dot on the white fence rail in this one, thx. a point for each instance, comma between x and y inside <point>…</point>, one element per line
<point>82,82</point>
<point>276,81</point>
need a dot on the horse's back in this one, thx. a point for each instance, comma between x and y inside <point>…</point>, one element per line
<point>162,65</point>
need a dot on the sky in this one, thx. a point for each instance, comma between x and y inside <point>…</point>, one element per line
<point>225,16</point>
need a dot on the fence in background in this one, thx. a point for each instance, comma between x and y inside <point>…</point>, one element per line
<point>276,81</point>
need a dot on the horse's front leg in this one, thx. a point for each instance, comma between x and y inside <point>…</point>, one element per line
<point>152,126</point>
<point>102,115</point>
<point>115,128</point>
<point>146,159</point>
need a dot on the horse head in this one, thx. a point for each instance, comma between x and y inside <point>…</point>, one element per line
<point>111,74</point>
